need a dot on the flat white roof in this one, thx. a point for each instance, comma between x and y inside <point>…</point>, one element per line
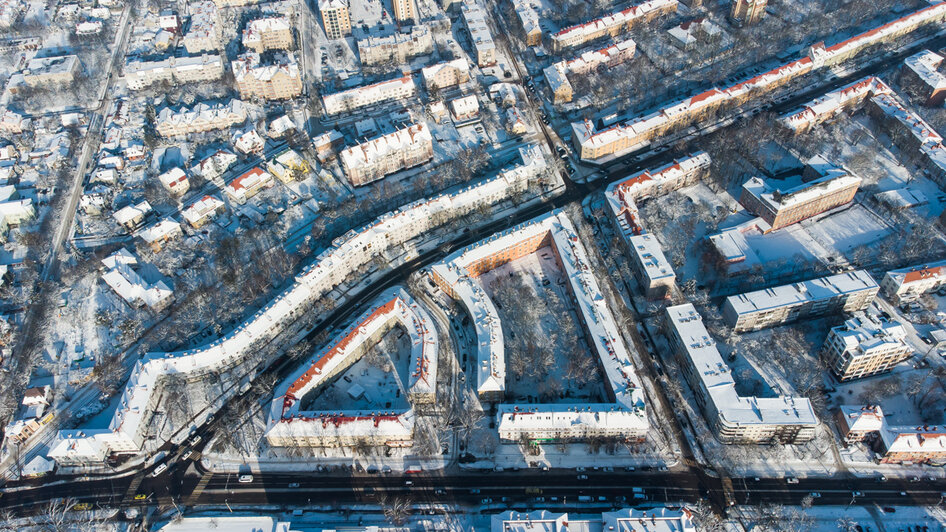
<point>651,256</point>
<point>717,378</point>
<point>804,291</point>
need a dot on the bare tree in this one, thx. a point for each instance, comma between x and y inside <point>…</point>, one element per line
<point>396,509</point>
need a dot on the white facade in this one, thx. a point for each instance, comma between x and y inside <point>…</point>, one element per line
<point>397,48</point>
<point>736,419</point>
<point>475,19</point>
<point>175,181</point>
<point>652,270</point>
<point>376,158</point>
<point>626,416</point>
<point>336,264</point>
<point>908,284</point>
<point>202,211</point>
<point>612,24</point>
<point>290,426</point>
<point>140,74</point>
<point>248,185</point>
<point>845,292</point>
<point>352,99</point>
<point>121,277</point>
<point>465,108</point>
<point>200,118</point>
<point>834,103</point>
<point>867,344</point>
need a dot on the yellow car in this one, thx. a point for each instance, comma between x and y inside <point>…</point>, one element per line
<point>140,497</point>
<point>81,506</point>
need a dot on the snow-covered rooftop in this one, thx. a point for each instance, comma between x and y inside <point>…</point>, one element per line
<point>392,306</point>
<point>925,65</point>
<point>578,34</point>
<point>834,102</point>
<point>718,382</point>
<point>769,194</point>
<point>369,94</point>
<point>864,332</point>
<point>586,136</point>
<point>126,282</point>
<point>604,333</point>
<point>622,195</point>
<point>821,288</point>
<point>623,520</point>
<point>205,207</point>
<point>905,276</point>
<point>329,268</point>
<point>162,230</point>
<point>370,152</point>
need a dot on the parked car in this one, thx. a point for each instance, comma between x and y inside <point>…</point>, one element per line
<point>245,479</point>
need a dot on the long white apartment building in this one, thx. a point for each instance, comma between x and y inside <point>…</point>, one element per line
<point>626,416</point>
<point>844,292</point>
<point>398,47</point>
<point>734,418</point>
<point>348,253</point>
<point>290,425</point>
<point>651,268</point>
<point>556,75</point>
<point>376,158</point>
<point>475,19</point>
<point>140,74</point>
<point>911,133</point>
<point>611,25</point>
<point>200,118</point>
<point>908,284</point>
<point>640,131</point>
<point>834,103</point>
<point>866,344</point>
<point>204,34</point>
<point>385,91</point>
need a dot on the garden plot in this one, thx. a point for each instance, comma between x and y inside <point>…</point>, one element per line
<point>547,357</point>
<point>376,381</point>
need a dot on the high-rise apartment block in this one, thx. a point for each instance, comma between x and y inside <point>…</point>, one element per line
<point>746,12</point>
<point>404,10</point>
<point>335,18</point>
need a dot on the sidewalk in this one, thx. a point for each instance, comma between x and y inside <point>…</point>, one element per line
<point>510,455</point>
